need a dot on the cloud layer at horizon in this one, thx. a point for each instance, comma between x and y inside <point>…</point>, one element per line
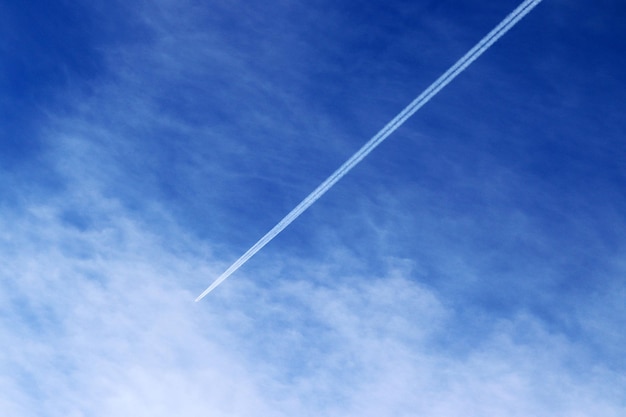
<point>473,265</point>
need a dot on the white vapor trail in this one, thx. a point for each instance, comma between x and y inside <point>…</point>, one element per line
<point>394,124</point>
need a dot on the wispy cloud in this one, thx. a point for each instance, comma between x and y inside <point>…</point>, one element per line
<point>111,331</point>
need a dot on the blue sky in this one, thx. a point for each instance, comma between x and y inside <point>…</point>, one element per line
<point>474,264</point>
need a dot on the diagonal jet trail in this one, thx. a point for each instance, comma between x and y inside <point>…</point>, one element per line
<point>473,54</point>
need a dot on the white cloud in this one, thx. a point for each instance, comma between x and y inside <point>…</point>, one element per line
<point>114,331</point>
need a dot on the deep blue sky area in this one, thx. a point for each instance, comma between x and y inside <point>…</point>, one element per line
<point>474,263</point>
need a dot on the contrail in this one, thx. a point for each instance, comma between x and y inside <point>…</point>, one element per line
<point>473,54</point>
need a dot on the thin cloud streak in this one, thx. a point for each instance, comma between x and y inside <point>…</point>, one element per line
<point>474,53</point>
